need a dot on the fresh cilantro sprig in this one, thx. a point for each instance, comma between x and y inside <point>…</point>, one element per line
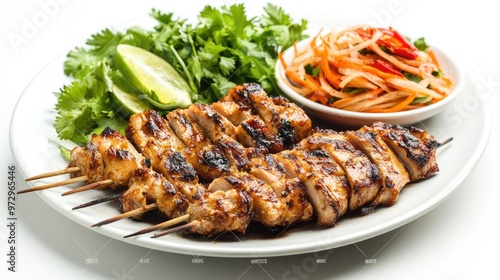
<point>224,48</point>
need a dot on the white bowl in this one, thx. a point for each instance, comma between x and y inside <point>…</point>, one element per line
<point>356,119</point>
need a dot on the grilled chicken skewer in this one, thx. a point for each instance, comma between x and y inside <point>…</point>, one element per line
<point>354,179</point>
<point>267,207</point>
<point>325,171</point>
<point>154,123</point>
<point>106,162</point>
<point>212,212</point>
<point>153,136</point>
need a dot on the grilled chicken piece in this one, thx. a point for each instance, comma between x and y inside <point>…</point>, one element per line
<point>239,96</point>
<point>221,131</point>
<point>147,186</point>
<point>321,164</point>
<point>363,176</point>
<point>327,189</point>
<point>271,116</point>
<point>414,147</point>
<point>289,122</point>
<point>146,134</point>
<point>290,191</point>
<point>267,208</point>
<point>393,174</point>
<point>221,211</point>
<point>251,130</point>
<point>295,115</point>
<point>254,132</point>
<point>215,125</point>
<point>231,110</point>
<point>90,162</point>
<point>150,126</point>
<point>107,156</point>
<point>208,160</point>
<point>271,123</point>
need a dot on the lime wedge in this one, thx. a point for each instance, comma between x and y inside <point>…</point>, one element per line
<point>127,103</point>
<point>153,76</point>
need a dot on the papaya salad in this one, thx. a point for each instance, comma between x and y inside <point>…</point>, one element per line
<point>366,69</point>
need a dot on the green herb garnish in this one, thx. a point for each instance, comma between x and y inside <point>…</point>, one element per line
<point>223,49</point>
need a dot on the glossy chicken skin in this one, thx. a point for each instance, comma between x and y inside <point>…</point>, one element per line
<point>107,156</point>
<point>147,186</point>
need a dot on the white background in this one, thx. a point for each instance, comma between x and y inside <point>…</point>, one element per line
<point>457,240</point>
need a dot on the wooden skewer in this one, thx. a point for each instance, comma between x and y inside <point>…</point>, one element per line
<point>445,142</point>
<point>176,229</point>
<point>54,173</point>
<point>166,224</point>
<point>128,214</point>
<point>97,201</point>
<point>56,184</point>
<point>89,187</point>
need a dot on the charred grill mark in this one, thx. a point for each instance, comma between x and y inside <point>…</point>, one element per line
<point>199,137</point>
<point>246,200</point>
<point>91,147</point>
<point>428,141</point>
<point>176,164</point>
<point>389,182</point>
<point>215,159</point>
<point>255,130</point>
<point>318,153</point>
<point>253,87</point>
<point>239,94</point>
<point>215,116</point>
<point>287,133</point>
<point>374,173</point>
<point>320,159</point>
<point>94,155</point>
<point>140,173</point>
<point>108,132</point>
<point>232,180</point>
<point>369,136</point>
<point>273,164</point>
<point>169,188</point>
<point>121,154</point>
<point>409,142</point>
<point>156,125</point>
<point>234,149</point>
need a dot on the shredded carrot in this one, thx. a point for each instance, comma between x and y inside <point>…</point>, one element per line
<point>295,47</point>
<point>282,59</point>
<point>313,44</point>
<point>360,97</point>
<point>433,58</point>
<point>332,78</point>
<point>293,76</point>
<point>319,96</point>
<point>311,82</point>
<point>344,67</point>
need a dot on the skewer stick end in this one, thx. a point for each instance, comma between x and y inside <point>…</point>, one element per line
<point>91,186</point>
<point>446,141</point>
<point>128,214</point>
<point>53,173</point>
<point>176,229</point>
<point>165,224</point>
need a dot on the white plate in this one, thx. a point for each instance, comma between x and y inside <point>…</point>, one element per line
<point>31,129</point>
